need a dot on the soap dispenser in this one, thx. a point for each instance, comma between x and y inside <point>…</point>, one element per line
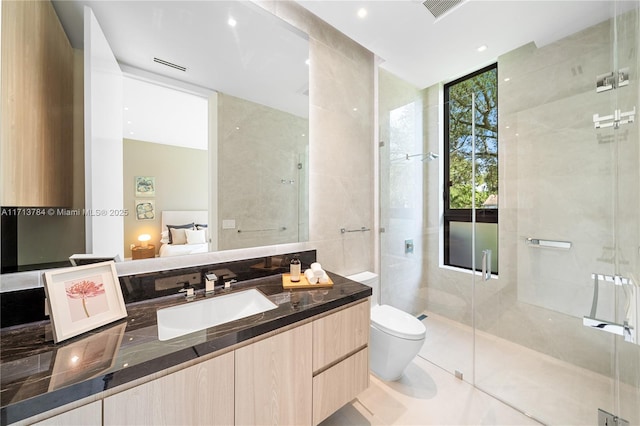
<point>295,269</point>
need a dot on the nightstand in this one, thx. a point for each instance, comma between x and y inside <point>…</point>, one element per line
<point>147,252</point>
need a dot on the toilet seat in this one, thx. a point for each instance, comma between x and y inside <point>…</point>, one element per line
<point>397,323</point>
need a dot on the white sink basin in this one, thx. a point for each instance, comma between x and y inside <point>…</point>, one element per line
<point>195,316</point>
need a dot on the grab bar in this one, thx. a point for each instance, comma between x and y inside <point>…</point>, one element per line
<point>537,242</point>
<point>284,228</point>
<point>363,229</point>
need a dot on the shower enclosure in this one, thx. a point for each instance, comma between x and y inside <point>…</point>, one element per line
<point>555,332</point>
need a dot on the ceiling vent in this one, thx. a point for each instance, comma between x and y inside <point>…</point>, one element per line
<point>169,64</point>
<point>440,7</point>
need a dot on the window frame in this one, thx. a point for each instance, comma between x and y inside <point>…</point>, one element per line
<point>483,215</point>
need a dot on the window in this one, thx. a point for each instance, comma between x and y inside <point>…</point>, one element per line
<point>459,189</point>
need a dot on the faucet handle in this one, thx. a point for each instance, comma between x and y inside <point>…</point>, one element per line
<point>188,290</point>
<point>210,282</point>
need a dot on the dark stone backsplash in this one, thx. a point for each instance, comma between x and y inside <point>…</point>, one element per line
<point>27,306</point>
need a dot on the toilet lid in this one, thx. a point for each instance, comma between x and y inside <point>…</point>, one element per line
<point>397,323</point>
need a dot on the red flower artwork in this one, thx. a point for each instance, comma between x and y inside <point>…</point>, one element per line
<point>83,290</point>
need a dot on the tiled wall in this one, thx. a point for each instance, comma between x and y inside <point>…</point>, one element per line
<point>261,148</point>
<point>341,123</point>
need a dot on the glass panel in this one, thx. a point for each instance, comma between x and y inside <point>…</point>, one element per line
<point>484,86</point>
<point>564,179</point>
<point>460,240</point>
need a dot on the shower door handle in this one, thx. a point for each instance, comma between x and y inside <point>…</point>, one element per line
<point>486,265</point>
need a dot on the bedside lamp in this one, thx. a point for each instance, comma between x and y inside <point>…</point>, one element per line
<point>144,239</point>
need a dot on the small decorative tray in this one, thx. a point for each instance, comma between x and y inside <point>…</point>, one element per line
<point>303,283</point>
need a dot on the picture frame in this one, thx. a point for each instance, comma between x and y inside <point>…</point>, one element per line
<point>87,357</point>
<point>145,186</point>
<point>145,210</point>
<point>83,298</point>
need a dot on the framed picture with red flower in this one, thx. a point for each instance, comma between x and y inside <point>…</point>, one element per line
<point>83,298</point>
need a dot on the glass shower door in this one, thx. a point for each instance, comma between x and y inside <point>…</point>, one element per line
<point>556,331</point>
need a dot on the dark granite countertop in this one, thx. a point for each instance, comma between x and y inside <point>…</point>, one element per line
<point>37,375</point>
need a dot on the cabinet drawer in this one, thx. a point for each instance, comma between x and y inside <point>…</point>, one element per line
<point>340,384</point>
<point>90,414</point>
<point>340,334</point>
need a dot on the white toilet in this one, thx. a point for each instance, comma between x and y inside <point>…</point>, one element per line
<point>396,337</point>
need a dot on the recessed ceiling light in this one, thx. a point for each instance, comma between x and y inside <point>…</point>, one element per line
<point>362,12</point>
<point>232,22</point>
<point>126,108</point>
<point>355,109</point>
<point>130,133</point>
<point>129,122</point>
<point>482,48</point>
<point>307,62</point>
<point>507,79</point>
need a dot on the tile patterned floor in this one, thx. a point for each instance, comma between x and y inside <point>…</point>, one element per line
<point>552,391</point>
<point>426,395</point>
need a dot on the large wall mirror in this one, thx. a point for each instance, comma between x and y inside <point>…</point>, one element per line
<point>214,119</point>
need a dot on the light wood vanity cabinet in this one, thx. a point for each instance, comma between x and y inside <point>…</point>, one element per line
<point>304,375</point>
<point>198,395</point>
<point>340,359</point>
<point>36,139</point>
<point>299,376</point>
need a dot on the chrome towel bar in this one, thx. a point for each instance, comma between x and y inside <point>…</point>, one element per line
<point>537,242</point>
<point>363,229</point>
<point>284,228</point>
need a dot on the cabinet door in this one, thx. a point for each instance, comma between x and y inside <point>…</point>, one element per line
<point>198,395</point>
<point>273,380</point>
<point>87,415</point>
<point>340,334</point>
<point>36,137</point>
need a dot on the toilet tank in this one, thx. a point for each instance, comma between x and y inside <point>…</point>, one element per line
<point>370,279</point>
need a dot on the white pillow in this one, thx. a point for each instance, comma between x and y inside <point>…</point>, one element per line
<point>164,237</point>
<point>178,236</point>
<point>195,237</point>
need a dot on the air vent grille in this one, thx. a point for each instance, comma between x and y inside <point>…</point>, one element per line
<point>440,7</point>
<point>169,64</point>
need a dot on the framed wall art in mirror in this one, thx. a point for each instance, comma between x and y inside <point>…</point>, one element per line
<point>145,210</point>
<point>145,186</point>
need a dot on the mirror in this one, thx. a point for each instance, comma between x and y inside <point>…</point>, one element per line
<point>249,67</point>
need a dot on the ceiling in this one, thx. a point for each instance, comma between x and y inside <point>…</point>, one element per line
<point>259,58</point>
<point>423,50</point>
<point>262,59</point>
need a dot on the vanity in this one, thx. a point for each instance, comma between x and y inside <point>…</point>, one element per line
<point>296,363</point>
